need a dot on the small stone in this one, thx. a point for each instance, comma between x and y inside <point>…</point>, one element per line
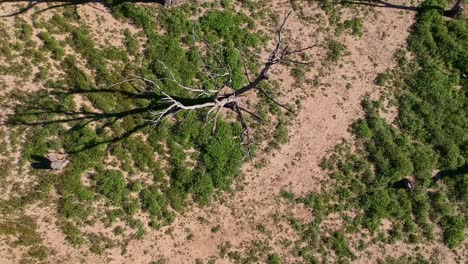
<point>55,156</point>
<point>59,164</point>
<point>58,160</point>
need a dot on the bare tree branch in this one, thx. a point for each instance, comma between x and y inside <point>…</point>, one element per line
<point>297,62</point>
<point>245,136</point>
<point>246,71</point>
<point>257,117</point>
<point>274,101</point>
<point>301,50</point>
<point>221,98</point>
<point>181,85</point>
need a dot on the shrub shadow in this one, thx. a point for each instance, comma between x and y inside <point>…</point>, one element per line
<point>40,162</point>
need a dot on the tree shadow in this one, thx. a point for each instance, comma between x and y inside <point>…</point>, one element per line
<point>378,3</point>
<point>49,114</point>
<point>452,12</point>
<point>450,173</point>
<point>53,4</point>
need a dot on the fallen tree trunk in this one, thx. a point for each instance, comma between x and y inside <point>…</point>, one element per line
<point>220,99</point>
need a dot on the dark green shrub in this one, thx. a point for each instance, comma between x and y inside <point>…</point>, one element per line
<point>154,202</point>
<point>51,44</point>
<point>335,51</point>
<point>25,31</point>
<point>226,3</point>
<point>454,230</point>
<point>274,259</point>
<point>72,233</point>
<point>339,244</point>
<point>222,159</point>
<point>287,195</point>
<point>38,252</point>
<point>111,184</point>
<point>131,43</point>
<point>203,188</point>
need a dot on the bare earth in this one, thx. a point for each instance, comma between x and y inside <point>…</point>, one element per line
<point>327,111</point>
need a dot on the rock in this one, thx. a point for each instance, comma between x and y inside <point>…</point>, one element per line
<point>55,156</point>
<point>59,164</point>
<point>405,183</point>
<point>58,160</point>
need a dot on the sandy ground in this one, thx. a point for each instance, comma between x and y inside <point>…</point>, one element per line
<point>327,111</point>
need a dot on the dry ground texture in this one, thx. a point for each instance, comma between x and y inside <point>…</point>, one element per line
<point>251,217</point>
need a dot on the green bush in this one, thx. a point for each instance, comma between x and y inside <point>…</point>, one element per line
<point>339,244</point>
<point>287,195</point>
<point>454,230</point>
<point>335,51</point>
<point>274,259</point>
<point>222,159</point>
<point>131,43</point>
<point>153,201</point>
<point>38,252</point>
<point>354,24</point>
<point>25,31</point>
<point>111,184</point>
<point>51,44</point>
<point>203,188</point>
<point>72,233</point>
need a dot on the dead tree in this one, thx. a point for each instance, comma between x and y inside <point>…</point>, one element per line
<point>224,96</point>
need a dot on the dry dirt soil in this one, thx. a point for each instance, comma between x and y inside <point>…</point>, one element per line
<point>329,106</point>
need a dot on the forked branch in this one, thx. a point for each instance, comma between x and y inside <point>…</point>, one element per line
<point>219,99</point>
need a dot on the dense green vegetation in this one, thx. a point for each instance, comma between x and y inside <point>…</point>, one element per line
<point>217,162</point>
<point>120,164</point>
<point>427,142</point>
